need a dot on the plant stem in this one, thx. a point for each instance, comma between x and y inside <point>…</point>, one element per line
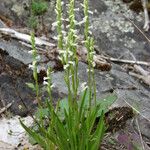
<point>34,63</point>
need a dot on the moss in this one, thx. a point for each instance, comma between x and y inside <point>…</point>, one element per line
<point>39,7</point>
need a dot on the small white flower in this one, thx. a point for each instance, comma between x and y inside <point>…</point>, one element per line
<point>65,39</point>
<point>66,66</point>
<point>72,63</point>
<point>77,37</point>
<point>89,70</point>
<point>55,38</point>
<point>92,53</point>
<point>45,82</point>
<point>70,53</point>
<point>85,18</point>
<point>90,12</point>
<point>62,3</point>
<point>60,58</point>
<point>75,22</point>
<point>34,63</point>
<point>91,27</point>
<point>83,21</point>
<point>90,32</point>
<point>67,26</point>
<point>62,51</point>
<point>64,32</point>
<point>80,23</point>
<point>70,76</point>
<point>53,85</point>
<point>74,44</point>
<point>56,11</point>
<point>38,69</point>
<point>62,26</point>
<point>65,58</point>
<point>76,9</point>
<point>30,52</point>
<point>82,4</point>
<point>46,78</point>
<point>59,36</point>
<point>84,86</point>
<point>67,19</point>
<point>93,64</point>
<point>83,41</point>
<point>38,58</point>
<point>31,66</point>
<point>73,30</point>
<point>71,16</point>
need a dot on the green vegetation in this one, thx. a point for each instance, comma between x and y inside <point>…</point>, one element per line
<point>33,22</point>
<point>71,125</point>
<point>38,9</point>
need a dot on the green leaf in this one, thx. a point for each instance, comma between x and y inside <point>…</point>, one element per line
<point>31,85</point>
<point>98,134</point>
<point>42,113</point>
<point>86,96</point>
<point>91,117</point>
<point>36,136</point>
<point>105,103</point>
<point>61,132</point>
<point>81,107</point>
<point>32,141</point>
<point>62,105</point>
<point>83,103</point>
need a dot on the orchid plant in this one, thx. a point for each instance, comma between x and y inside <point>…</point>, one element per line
<point>72,123</point>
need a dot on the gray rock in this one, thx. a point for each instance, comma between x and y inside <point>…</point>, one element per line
<point>16,50</point>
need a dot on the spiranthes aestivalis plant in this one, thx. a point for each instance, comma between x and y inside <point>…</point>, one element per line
<point>34,67</point>
<point>71,125</point>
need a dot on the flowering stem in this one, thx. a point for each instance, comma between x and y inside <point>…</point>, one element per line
<point>49,84</point>
<point>34,64</point>
<point>59,23</point>
<point>72,47</point>
<point>89,44</point>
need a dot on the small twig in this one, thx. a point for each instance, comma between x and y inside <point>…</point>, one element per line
<point>125,61</point>
<point>5,108</point>
<point>138,29</point>
<point>135,109</point>
<point>25,37</point>
<point>145,79</point>
<point>29,45</point>
<point>141,70</point>
<point>141,139</point>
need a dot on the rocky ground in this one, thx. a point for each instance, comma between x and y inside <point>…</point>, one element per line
<point>115,36</point>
